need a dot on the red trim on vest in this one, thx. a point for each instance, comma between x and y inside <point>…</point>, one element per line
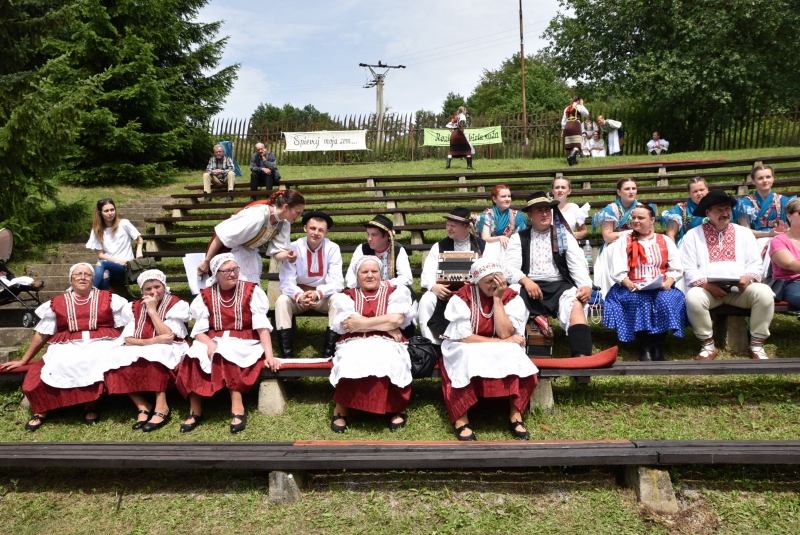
<point>100,302</point>
<point>144,324</point>
<point>236,318</point>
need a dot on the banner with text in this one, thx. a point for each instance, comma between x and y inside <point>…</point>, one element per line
<point>440,137</point>
<point>326,140</point>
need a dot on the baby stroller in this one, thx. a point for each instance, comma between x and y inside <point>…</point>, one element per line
<point>23,294</point>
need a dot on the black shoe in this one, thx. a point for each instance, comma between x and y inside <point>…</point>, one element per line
<point>39,419</point>
<point>395,426</point>
<point>228,199</point>
<point>447,165</point>
<point>329,347</point>
<point>514,426</point>
<point>469,163</point>
<point>188,428</point>
<point>338,428</point>
<point>91,421</point>
<point>643,341</point>
<point>150,426</point>
<point>467,438</point>
<point>235,428</point>
<point>657,346</point>
<point>285,341</point>
<point>139,424</point>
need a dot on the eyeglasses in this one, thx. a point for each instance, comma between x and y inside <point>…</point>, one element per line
<point>232,271</point>
<point>82,275</point>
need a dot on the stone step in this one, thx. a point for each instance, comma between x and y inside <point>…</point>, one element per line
<point>72,258</point>
<point>37,271</point>
<point>8,353</point>
<point>73,248</point>
<point>14,336</point>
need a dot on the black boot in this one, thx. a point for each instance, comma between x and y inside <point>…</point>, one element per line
<point>469,162</point>
<point>657,346</point>
<point>285,341</point>
<point>447,165</point>
<point>329,348</point>
<point>643,341</point>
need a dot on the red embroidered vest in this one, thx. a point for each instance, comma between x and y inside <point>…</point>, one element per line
<point>480,325</point>
<point>72,320</point>
<point>144,324</point>
<point>232,314</point>
<point>638,274</point>
<point>370,309</point>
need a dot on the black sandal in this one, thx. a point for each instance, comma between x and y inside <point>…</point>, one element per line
<point>395,426</point>
<point>187,428</point>
<point>235,428</point>
<point>140,423</point>
<point>91,421</point>
<point>465,438</point>
<point>150,426</point>
<point>39,419</point>
<point>522,435</point>
<point>338,428</point>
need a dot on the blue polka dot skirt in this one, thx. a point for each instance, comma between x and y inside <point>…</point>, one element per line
<point>652,311</point>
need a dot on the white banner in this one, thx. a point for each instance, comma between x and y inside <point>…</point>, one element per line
<point>326,140</point>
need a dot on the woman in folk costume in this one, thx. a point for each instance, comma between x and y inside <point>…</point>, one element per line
<point>638,259</point>
<point>460,147</point>
<point>261,223</point>
<point>571,129</point>
<point>574,215</point>
<point>82,330</point>
<point>483,353</point>
<point>680,218</point>
<point>764,211</point>
<point>231,342</point>
<point>500,221</point>
<point>154,347</point>
<point>371,367</point>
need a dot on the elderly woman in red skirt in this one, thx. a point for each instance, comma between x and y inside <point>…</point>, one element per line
<point>82,330</point>
<point>371,366</point>
<point>154,347</point>
<point>483,353</point>
<point>231,342</point>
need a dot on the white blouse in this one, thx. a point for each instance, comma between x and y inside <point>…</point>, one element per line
<point>117,245</point>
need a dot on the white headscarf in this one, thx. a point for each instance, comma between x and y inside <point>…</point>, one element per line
<point>217,262</point>
<point>482,267</point>
<point>368,258</point>
<point>73,268</point>
<point>152,275</point>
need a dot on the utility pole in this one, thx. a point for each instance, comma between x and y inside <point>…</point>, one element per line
<point>526,150</point>
<point>377,81</point>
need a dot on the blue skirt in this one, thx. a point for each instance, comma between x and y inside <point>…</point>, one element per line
<point>653,311</point>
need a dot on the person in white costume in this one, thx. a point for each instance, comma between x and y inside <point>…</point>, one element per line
<point>371,367</point>
<point>574,215</point>
<point>657,145</point>
<point>722,265</point>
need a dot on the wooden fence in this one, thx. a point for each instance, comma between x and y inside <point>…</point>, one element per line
<point>401,137</point>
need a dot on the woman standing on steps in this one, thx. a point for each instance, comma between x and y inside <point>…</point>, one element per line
<point>460,147</point>
<point>571,131</point>
<point>111,239</point>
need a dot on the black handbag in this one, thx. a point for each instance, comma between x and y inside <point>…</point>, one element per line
<point>778,286</point>
<point>135,267</point>
<point>423,355</point>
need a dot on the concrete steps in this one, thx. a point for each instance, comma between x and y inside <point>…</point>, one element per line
<point>7,353</point>
<point>14,336</point>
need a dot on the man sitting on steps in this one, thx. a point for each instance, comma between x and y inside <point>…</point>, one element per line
<point>219,167</point>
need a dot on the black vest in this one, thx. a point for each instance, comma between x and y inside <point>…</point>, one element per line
<point>560,259</point>
<point>475,244</point>
<point>368,251</point>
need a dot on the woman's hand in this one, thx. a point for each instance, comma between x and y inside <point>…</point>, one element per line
<point>502,285</point>
<point>396,334</point>
<point>211,348</point>
<point>668,283</point>
<point>164,338</point>
<point>504,241</point>
<point>515,339</point>
<point>202,268</point>
<point>779,228</point>
<point>271,362</point>
<point>150,303</point>
<point>12,364</point>
<point>352,324</point>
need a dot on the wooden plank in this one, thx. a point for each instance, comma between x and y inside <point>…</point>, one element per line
<point>685,367</point>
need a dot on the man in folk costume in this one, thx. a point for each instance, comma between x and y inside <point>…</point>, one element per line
<point>459,239</point>
<point>549,264</point>
<point>371,367</point>
<point>310,282</point>
<point>722,265</point>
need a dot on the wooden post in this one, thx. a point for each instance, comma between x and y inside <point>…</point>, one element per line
<point>662,173</point>
<point>462,180</point>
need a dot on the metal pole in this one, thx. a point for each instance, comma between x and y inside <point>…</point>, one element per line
<point>526,150</point>
<point>379,108</point>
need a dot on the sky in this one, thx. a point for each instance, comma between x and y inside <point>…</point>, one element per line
<point>308,52</point>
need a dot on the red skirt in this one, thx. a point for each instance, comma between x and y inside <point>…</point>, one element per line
<point>44,397</point>
<point>459,400</point>
<point>372,394</point>
<point>572,135</point>
<point>141,376</point>
<point>224,374</point>
<point>459,144</point>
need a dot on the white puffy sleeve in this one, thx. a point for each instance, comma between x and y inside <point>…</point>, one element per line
<point>93,243</point>
<point>350,277</point>
<point>118,304</point>
<point>200,314</point>
<point>430,267</point>
<point>518,313</point>
<point>458,313</point>
<point>618,258</point>
<point>512,262</point>
<point>176,319</point>
<point>241,227</point>
<point>130,321</point>
<point>282,239</point>
<point>400,303</point>
<point>345,308</point>
<point>674,265</point>
<point>47,319</point>
<point>403,268</point>
<point>259,306</point>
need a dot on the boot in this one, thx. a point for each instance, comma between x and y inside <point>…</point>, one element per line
<point>447,165</point>
<point>657,346</point>
<point>469,162</point>
<point>285,341</point>
<point>643,341</point>
<point>329,347</point>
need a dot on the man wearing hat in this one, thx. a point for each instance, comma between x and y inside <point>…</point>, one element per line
<point>459,238</point>
<point>309,282</point>
<point>546,260</point>
<point>380,242</point>
<point>722,265</point>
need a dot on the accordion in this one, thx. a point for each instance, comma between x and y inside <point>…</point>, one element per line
<point>454,267</point>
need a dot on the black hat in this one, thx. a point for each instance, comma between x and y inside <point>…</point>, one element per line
<point>713,198</point>
<point>382,222</point>
<point>319,215</point>
<point>538,198</point>
<point>460,214</point>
